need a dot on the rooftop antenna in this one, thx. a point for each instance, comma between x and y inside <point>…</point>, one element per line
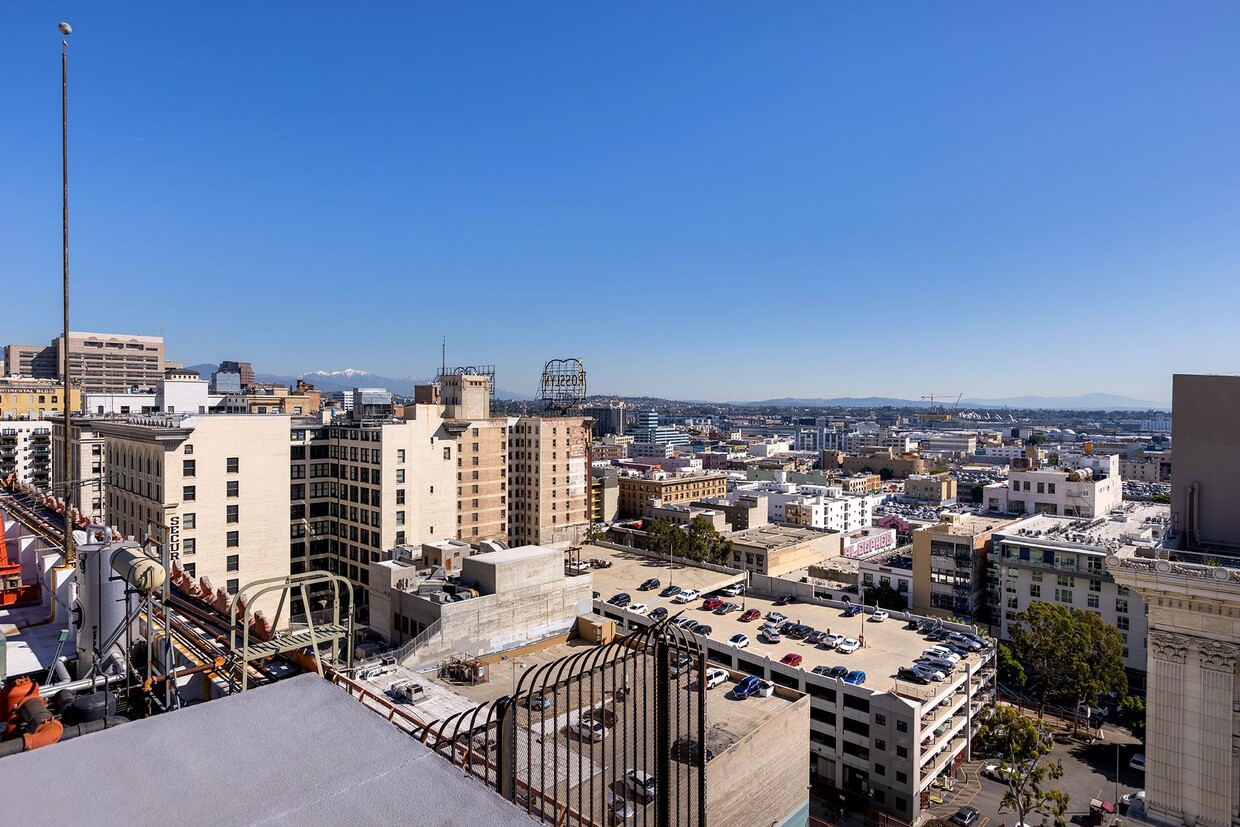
<point>443,356</point>
<point>65,31</point>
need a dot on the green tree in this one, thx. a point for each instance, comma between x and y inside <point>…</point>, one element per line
<point>1072,653</point>
<point>1132,716</point>
<point>1011,672</point>
<point>665,537</point>
<point>705,543</point>
<point>595,533</point>
<point>1052,458</point>
<point>885,597</point>
<point>1023,747</point>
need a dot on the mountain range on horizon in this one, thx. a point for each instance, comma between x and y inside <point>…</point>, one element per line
<point>346,380</point>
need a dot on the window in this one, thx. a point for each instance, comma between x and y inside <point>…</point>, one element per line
<point>447,452</point>
<point>400,496</point>
<point>233,562</point>
<point>880,769</point>
<point>880,744</point>
<point>1121,605</point>
<point>189,449</point>
<point>400,474</point>
<point>901,778</point>
<point>901,726</point>
<point>400,518</point>
<point>400,454</point>
<point>1121,623</point>
<point>1091,600</point>
<point>234,488</point>
<point>232,465</point>
<point>233,540</point>
<point>1065,580</point>
<point>233,586</point>
<point>190,520</point>
<point>188,467</point>
<point>233,516</point>
<point>901,752</point>
<point>1035,590</point>
<point>400,538</point>
<point>1063,595</point>
<point>189,545</point>
<point>189,493</point>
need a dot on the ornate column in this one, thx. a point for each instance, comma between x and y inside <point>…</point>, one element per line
<point>1214,778</point>
<point>1164,726</point>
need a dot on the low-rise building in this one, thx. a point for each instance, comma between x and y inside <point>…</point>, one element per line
<point>1085,485</point>
<point>950,565</point>
<point>25,398</point>
<point>670,489</point>
<point>882,461</point>
<point>937,489</point>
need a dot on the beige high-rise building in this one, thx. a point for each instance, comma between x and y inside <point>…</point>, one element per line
<point>218,483</point>
<point>548,480</point>
<point>364,485</point>
<point>482,461</point>
<point>97,361</point>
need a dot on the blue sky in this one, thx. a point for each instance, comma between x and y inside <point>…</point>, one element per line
<point>713,200</point>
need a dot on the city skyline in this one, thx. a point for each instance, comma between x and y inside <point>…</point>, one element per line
<point>564,181</point>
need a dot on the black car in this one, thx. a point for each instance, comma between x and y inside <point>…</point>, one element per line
<point>621,599</point>
<point>689,750</point>
<point>838,672</point>
<point>937,634</point>
<point>787,626</point>
<point>801,631</point>
<point>597,595</point>
<point>786,600</point>
<point>907,674</point>
<point>670,591</point>
<point>652,583</point>
<point>658,613</point>
<point>815,638</point>
<point>702,629</point>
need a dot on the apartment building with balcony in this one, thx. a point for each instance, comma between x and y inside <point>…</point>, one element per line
<point>950,566</point>
<point>26,451</point>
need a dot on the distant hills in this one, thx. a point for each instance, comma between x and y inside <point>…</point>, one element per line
<point>346,380</point>
<point>1083,402</point>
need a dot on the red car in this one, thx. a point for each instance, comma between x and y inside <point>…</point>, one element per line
<point>712,603</point>
<point>791,659</point>
<point>752,614</point>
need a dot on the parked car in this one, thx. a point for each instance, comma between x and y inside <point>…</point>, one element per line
<point>712,603</point>
<point>956,648</point>
<point>597,595</point>
<point>848,646</point>
<point>715,676</point>
<point>852,611</point>
<point>942,652</point>
<point>641,784</point>
<point>620,810</point>
<point>1128,798</point>
<point>776,617</point>
<point>702,629</point>
<point>739,641</point>
<point>791,659</point>
<point>750,616</point>
<point>937,634</point>
<point>658,613</point>
<point>838,672</point>
<point>686,596</point>
<point>733,590</point>
<point>928,672</point>
<point>770,636</point>
<point>908,673</point>
<point>855,677</point>
<point>879,616</point>
<point>727,608</point>
<point>833,639</point>
<point>537,703</point>
<point>588,729</point>
<point>786,600</point>
<point>683,663</point>
<point>815,638</point>
<point>937,664</point>
<point>998,772</point>
<point>965,817</point>
<point>964,640</point>
<point>747,686</point>
<point>685,622</point>
<point>621,599</point>
<point>1137,762</point>
<point>670,591</point>
<point>652,583</point>
<point>821,670</point>
<point>638,608</point>
<point>689,750</point>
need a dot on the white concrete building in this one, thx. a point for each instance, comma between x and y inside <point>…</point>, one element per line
<point>178,392</point>
<point>1081,486</point>
<point>26,451</point>
<point>814,506</point>
<point>1062,560</point>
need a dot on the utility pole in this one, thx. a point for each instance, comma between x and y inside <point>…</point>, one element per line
<point>67,460</point>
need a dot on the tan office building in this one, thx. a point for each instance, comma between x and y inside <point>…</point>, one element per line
<point>219,483</point>
<point>482,459</point>
<point>635,492</point>
<point>949,565</point>
<point>548,480</point>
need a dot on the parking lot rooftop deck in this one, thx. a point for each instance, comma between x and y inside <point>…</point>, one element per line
<point>887,645</point>
<point>630,569</point>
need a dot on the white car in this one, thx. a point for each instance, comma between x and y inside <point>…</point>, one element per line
<point>927,671</point>
<point>765,689</point>
<point>1128,798</point>
<point>638,608</point>
<point>879,616</point>
<point>771,636</point>
<point>588,729</point>
<point>848,646</point>
<point>1137,762</point>
<point>687,596</point>
<point>776,617</point>
<point>942,654</point>
<point>733,590</point>
<point>641,784</point>
<point>715,676</point>
<point>996,771</point>
<point>740,641</point>
<point>833,640</point>
<point>622,812</point>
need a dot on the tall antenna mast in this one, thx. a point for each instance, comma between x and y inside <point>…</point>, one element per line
<point>66,464</point>
<point>443,356</point>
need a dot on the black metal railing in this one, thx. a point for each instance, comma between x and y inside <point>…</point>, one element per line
<point>615,734</point>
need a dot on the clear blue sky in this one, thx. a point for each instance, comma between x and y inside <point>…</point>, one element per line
<point>715,200</point>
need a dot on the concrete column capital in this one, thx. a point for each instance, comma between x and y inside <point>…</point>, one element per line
<point>1219,657</point>
<point>1168,647</point>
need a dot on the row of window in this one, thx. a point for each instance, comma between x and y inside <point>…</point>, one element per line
<point>189,467</point>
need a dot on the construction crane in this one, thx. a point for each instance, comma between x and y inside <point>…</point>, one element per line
<point>935,414</point>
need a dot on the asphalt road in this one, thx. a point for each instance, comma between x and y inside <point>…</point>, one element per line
<point>1089,772</point>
